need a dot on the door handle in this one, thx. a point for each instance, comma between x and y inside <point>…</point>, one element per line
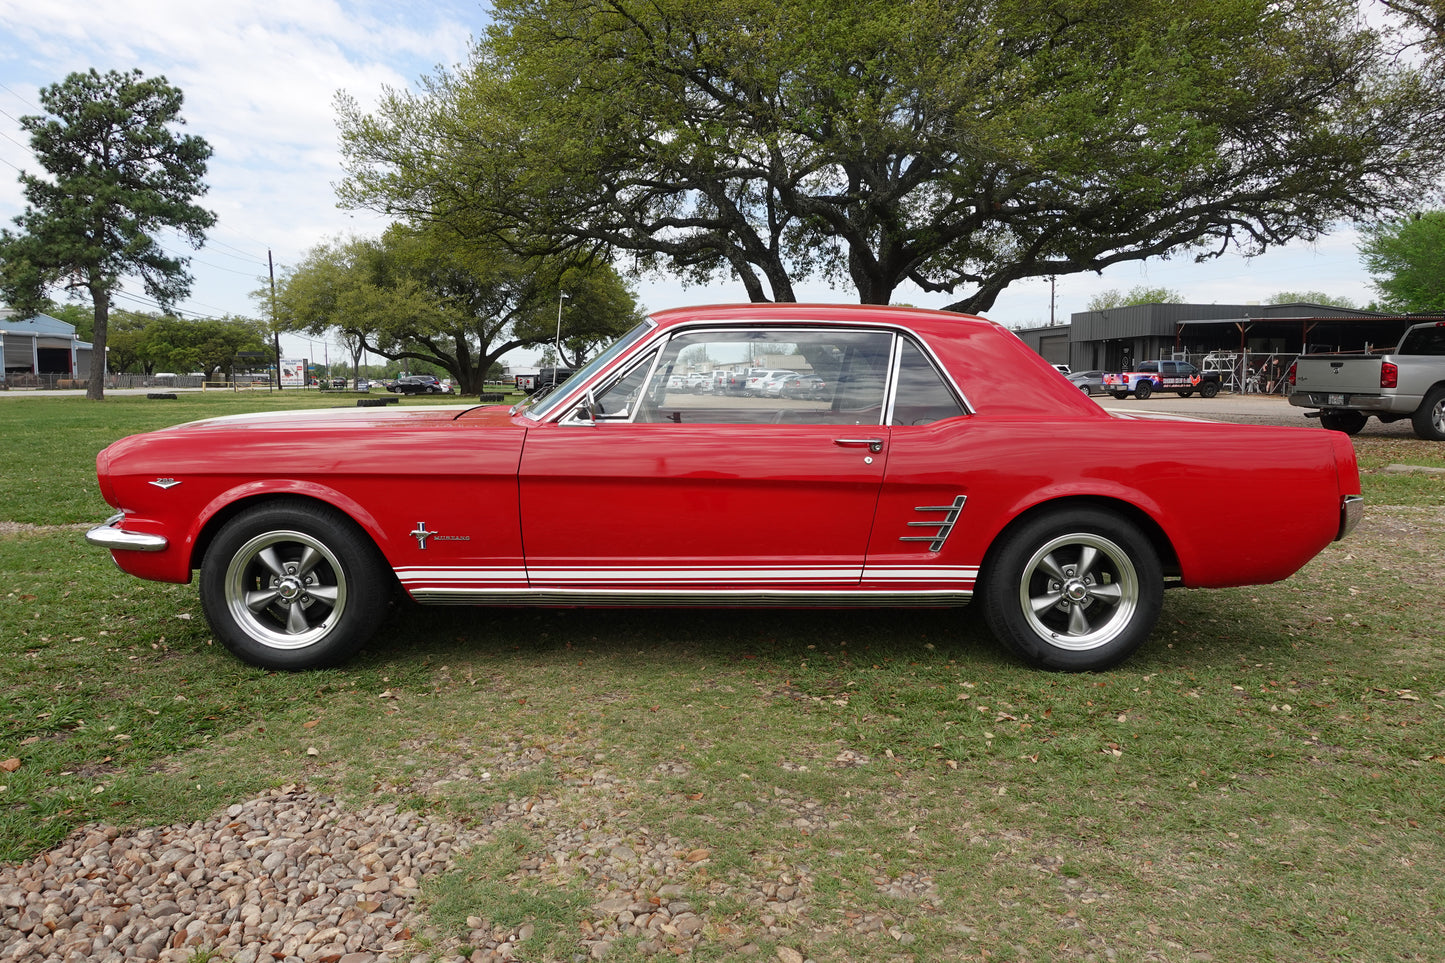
<point>874,445</point>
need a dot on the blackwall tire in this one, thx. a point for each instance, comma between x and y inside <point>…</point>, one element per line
<point>1076,590</point>
<point>293,585</point>
<point>1143,390</point>
<point>1209,389</point>
<point>1429,419</point>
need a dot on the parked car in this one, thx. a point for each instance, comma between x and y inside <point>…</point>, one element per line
<point>1180,377</point>
<point>928,473</point>
<point>417,384</point>
<point>1405,382</point>
<point>1088,381</point>
<point>545,379</point>
<point>804,386</point>
<point>758,378</point>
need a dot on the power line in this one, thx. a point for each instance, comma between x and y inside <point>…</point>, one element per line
<point>18,97</point>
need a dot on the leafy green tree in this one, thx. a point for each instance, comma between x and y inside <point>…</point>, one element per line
<point>155,342</point>
<point>115,174</point>
<point>1309,297</point>
<point>1406,259</point>
<point>431,299</point>
<point>1139,294</point>
<point>961,146</point>
<point>126,341</point>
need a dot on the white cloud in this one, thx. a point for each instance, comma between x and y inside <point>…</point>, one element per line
<point>259,83</point>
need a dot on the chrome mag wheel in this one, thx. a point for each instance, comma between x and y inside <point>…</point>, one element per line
<point>1079,591</point>
<point>285,589</point>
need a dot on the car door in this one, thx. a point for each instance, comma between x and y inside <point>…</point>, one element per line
<point>920,544</point>
<point>711,495</point>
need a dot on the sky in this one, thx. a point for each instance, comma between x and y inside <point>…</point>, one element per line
<point>260,84</point>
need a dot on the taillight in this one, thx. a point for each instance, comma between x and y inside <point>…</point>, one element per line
<point>1292,368</point>
<point>1389,375</point>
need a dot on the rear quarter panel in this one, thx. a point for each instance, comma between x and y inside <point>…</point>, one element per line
<point>1238,504</point>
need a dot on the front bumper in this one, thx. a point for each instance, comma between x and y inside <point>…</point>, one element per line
<point>107,535</point>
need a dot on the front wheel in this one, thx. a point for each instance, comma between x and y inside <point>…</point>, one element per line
<point>293,585</point>
<point>1143,390</point>
<point>1074,591</point>
<point>1429,419</point>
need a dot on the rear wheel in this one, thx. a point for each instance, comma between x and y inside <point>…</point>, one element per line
<point>1429,418</point>
<point>1350,422</point>
<point>1143,390</point>
<point>293,585</point>
<point>1209,389</point>
<point>1075,591</point>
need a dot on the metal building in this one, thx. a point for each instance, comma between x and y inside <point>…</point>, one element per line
<point>40,352</point>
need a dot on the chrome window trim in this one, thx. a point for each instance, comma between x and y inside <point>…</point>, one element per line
<point>660,339</point>
<point>895,373</point>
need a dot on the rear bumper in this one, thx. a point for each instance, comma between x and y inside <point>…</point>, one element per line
<point>107,535</point>
<point>1352,509</point>
<point>1345,402</point>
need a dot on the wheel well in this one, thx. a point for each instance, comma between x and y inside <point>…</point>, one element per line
<point>218,521</point>
<point>1150,529</point>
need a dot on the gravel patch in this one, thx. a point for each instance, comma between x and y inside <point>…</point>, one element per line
<point>296,876</point>
<point>290,876</point>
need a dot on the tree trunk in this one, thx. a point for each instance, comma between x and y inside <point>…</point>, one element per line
<point>95,386</point>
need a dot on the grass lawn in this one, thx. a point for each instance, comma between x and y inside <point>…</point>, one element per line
<point>1263,780</point>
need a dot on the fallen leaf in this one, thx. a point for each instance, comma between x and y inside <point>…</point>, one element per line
<point>10,765</point>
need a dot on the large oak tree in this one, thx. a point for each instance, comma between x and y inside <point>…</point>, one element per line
<point>115,173</point>
<point>428,296</point>
<point>960,146</point>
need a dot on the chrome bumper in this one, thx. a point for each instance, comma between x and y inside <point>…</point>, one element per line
<point>1348,402</point>
<point>108,536</point>
<point>1352,509</point>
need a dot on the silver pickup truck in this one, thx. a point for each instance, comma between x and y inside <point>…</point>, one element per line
<point>1408,382</point>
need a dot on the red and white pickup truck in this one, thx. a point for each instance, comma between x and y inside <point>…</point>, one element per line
<point>1180,377</point>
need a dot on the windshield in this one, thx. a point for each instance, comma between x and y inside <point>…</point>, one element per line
<point>537,407</point>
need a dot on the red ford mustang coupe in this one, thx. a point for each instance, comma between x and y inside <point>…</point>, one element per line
<point>942,461</point>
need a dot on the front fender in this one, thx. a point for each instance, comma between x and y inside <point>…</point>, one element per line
<point>231,500</point>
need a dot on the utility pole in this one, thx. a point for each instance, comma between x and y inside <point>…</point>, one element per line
<point>275,329</point>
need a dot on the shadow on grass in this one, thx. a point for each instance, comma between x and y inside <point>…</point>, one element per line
<point>725,636</point>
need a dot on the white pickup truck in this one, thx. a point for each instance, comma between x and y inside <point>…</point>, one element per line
<point>1408,382</point>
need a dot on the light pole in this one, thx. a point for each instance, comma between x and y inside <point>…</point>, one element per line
<point>561,296</point>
